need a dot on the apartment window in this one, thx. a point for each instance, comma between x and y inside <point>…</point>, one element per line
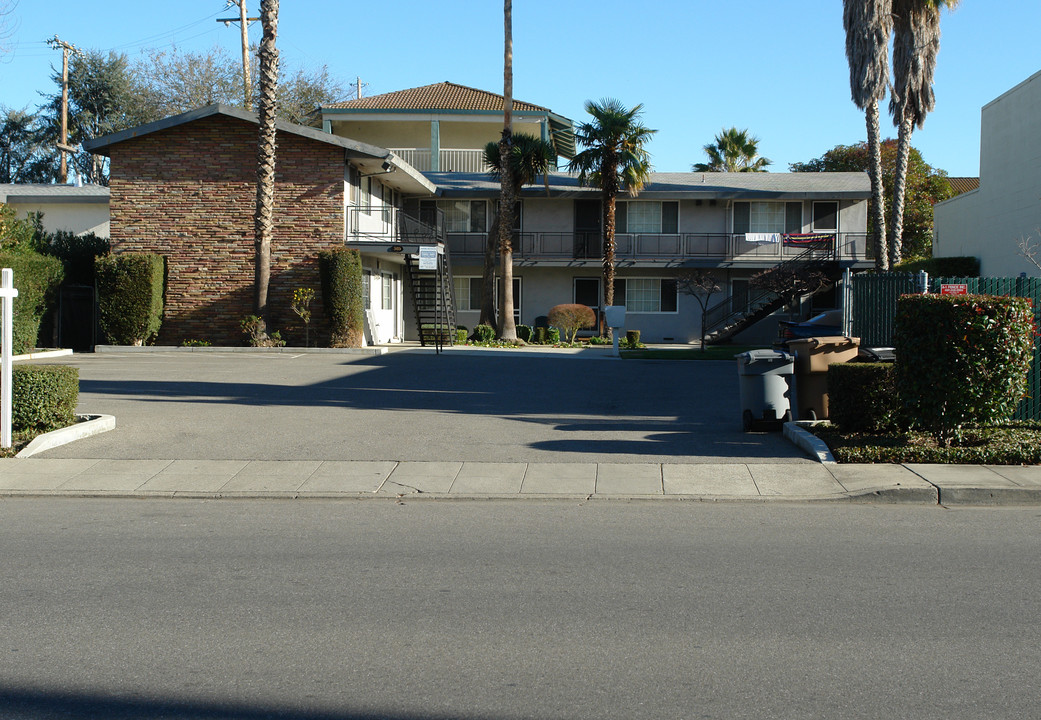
<point>467,293</point>
<point>642,216</point>
<point>464,215</point>
<point>767,217</point>
<point>366,290</point>
<point>387,288</point>
<point>587,292</point>
<point>646,295</point>
<point>825,216</point>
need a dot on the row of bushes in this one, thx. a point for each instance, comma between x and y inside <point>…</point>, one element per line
<point>961,361</point>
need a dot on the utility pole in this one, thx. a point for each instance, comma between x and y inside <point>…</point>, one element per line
<point>63,143</point>
<point>247,90</point>
<point>358,94</point>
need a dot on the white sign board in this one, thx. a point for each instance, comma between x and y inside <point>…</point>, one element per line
<point>428,257</point>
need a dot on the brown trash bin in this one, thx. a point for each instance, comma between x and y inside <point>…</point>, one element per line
<point>812,357</point>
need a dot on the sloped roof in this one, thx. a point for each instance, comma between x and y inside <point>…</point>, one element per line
<point>711,186</point>
<point>439,96</point>
<point>963,184</point>
<point>46,193</point>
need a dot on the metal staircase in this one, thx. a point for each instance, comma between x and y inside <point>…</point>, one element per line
<point>727,318</point>
<point>433,301</point>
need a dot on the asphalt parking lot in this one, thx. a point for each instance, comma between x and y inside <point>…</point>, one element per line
<point>412,405</point>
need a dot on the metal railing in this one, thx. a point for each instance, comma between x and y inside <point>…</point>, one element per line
<point>680,246</point>
<point>384,223</point>
<point>449,160</point>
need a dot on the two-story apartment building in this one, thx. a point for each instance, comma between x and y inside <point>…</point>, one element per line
<point>736,224</point>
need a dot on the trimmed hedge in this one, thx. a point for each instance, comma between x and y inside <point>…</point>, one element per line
<point>37,278</point>
<point>341,276</point>
<point>943,266</point>
<point>524,333</point>
<point>130,296</point>
<point>483,333</point>
<point>44,397</point>
<point>963,359</point>
<point>77,253</point>
<point>862,396</point>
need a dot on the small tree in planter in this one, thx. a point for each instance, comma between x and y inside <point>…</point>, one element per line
<point>570,318</point>
<point>701,285</point>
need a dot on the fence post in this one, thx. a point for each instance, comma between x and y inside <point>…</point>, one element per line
<point>8,293</point>
<point>847,303</point>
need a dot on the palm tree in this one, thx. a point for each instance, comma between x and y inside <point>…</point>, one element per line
<point>507,193</point>
<point>868,24</point>
<point>531,157</point>
<point>916,43</point>
<point>265,209</point>
<point>733,151</point>
<point>615,158</point>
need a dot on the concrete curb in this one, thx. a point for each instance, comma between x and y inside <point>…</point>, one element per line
<point>43,354</point>
<point>88,425</point>
<point>230,349</point>
<point>809,443</point>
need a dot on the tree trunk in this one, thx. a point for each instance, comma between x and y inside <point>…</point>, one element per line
<point>488,278</point>
<point>265,208</point>
<point>609,218</point>
<point>903,150</point>
<point>878,204</point>
<point>507,325</point>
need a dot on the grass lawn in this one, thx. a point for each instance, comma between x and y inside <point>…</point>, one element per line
<point>711,352</point>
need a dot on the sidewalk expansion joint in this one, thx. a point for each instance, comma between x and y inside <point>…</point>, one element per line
<point>939,492</point>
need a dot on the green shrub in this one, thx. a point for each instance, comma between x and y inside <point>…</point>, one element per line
<point>77,253</point>
<point>44,397</point>
<point>524,333</point>
<point>540,336</point>
<point>862,396</point>
<point>943,266</point>
<point>632,338</point>
<point>341,275</point>
<point>962,359</point>
<point>598,340</point>
<point>570,318</point>
<point>37,278</point>
<point>460,336</point>
<point>552,335</point>
<point>484,333</point>
<point>130,296</point>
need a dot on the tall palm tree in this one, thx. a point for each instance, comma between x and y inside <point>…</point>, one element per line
<point>507,193</point>
<point>614,158</point>
<point>265,209</point>
<point>733,151</point>
<point>916,43</point>
<point>868,24</point>
<point>531,156</point>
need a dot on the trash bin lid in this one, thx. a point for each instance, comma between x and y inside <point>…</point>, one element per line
<point>777,357</point>
<point>877,354</point>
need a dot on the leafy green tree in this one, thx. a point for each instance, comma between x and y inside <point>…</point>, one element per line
<point>868,24</point>
<point>733,151</point>
<point>925,185</point>
<point>25,156</point>
<point>530,157</point>
<point>103,98</point>
<point>916,43</point>
<point>615,158</point>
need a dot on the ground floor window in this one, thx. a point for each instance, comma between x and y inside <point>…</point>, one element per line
<point>467,293</point>
<point>387,292</point>
<point>366,290</point>
<point>646,295</point>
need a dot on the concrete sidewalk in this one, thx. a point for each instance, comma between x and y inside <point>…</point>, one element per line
<point>755,482</point>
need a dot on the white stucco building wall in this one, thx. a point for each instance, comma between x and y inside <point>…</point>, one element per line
<point>987,223</point>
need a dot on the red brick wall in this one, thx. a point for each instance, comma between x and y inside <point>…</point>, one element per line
<point>188,193</point>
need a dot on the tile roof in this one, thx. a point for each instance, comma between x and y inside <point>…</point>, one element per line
<point>963,184</point>
<point>439,96</point>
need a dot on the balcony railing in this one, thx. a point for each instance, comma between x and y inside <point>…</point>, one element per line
<point>676,247</point>
<point>384,223</point>
<point>449,160</point>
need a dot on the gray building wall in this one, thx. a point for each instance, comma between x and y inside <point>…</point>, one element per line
<point>987,223</point>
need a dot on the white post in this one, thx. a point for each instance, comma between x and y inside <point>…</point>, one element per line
<point>7,295</point>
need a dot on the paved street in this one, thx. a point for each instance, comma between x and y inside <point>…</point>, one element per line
<point>341,610</point>
<point>417,406</point>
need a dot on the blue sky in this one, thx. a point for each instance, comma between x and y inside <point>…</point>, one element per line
<point>775,67</point>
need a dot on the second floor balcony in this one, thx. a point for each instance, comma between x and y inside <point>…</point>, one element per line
<point>675,248</point>
<point>449,160</point>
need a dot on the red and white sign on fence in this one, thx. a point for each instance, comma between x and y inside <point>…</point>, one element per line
<point>954,289</point>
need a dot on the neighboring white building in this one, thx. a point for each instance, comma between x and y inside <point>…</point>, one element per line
<point>78,210</point>
<point>987,223</point>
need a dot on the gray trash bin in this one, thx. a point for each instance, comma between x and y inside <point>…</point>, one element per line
<point>764,386</point>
